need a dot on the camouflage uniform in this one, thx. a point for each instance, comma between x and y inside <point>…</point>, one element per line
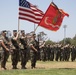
<point>33,53</point>
<point>4,52</point>
<point>61,52</point>
<point>43,50</point>
<point>57,53</point>
<point>51,53</point>
<point>73,53</point>
<point>47,52</point>
<point>42,53</point>
<point>24,48</point>
<point>67,53</point>
<point>15,52</point>
<point>0,48</point>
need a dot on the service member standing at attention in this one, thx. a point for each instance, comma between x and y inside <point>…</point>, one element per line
<point>23,46</point>
<point>15,49</point>
<point>33,51</point>
<point>4,49</point>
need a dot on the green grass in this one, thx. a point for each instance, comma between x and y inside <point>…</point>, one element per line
<point>39,72</point>
<point>43,68</point>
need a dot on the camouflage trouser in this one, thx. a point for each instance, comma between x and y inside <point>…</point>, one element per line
<point>43,56</point>
<point>52,56</point>
<point>23,56</point>
<point>4,57</point>
<point>48,56</point>
<point>72,56</point>
<point>33,57</point>
<point>15,58</point>
<point>0,55</point>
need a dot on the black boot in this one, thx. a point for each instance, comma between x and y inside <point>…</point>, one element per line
<point>14,67</point>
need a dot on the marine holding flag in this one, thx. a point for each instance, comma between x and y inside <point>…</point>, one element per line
<point>53,18</point>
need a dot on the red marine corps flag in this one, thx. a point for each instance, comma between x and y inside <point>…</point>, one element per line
<point>53,18</point>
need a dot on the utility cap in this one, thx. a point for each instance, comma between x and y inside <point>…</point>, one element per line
<point>33,34</point>
<point>14,30</point>
<point>22,31</point>
<point>4,31</point>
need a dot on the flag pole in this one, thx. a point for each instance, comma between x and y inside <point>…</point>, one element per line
<point>36,28</point>
<point>18,24</point>
<point>18,20</point>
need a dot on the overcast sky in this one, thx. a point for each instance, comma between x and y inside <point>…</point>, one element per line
<point>9,17</point>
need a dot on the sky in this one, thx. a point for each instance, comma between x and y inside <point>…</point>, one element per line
<point>9,18</point>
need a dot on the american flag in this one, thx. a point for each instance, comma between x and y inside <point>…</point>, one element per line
<point>30,12</point>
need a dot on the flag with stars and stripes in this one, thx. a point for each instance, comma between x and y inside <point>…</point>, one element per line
<point>30,12</point>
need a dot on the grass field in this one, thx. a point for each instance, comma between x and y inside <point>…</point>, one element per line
<point>42,68</point>
<point>40,72</point>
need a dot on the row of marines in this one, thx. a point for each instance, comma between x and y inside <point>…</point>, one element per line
<point>18,47</point>
<point>58,53</point>
<point>22,49</point>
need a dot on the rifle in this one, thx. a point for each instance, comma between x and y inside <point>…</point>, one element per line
<point>43,43</point>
